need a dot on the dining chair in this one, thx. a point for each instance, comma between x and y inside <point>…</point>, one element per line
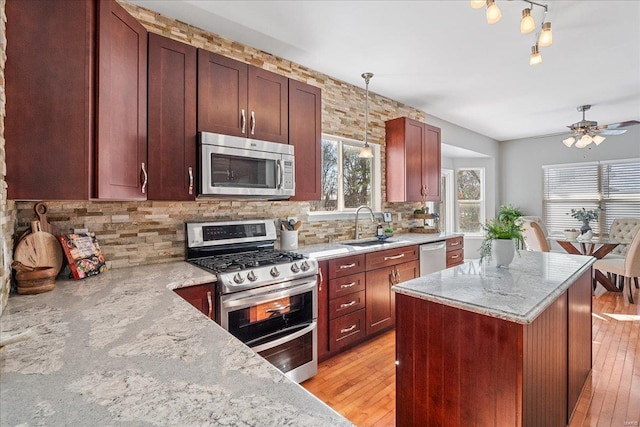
<point>535,237</point>
<point>622,230</point>
<point>627,267</point>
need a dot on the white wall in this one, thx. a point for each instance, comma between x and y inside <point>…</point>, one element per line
<point>521,164</point>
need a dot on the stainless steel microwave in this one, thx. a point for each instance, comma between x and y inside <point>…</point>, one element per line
<point>232,166</point>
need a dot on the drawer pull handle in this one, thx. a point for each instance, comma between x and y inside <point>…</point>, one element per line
<point>454,244</point>
<point>345,266</point>
<point>348,304</point>
<point>347,285</point>
<point>210,305</point>
<point>349,329</point>
<point>455,256</point>
<point>388,258</point>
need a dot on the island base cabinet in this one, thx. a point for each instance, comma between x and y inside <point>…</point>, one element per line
<point>456,367</point>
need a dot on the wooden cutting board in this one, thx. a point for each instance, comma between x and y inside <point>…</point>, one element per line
<point>39,249</point>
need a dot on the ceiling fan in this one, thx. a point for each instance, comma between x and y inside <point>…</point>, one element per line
<point>586,131</point>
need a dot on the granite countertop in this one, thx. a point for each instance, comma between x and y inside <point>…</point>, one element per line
<point>121,348</point>
<point>517,294</point>
<point>325,251</point>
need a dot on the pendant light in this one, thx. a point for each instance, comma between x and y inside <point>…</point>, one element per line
<point>366,152</point>
<point>535,57</point>
<point>546,36</point>
<point>527,24</point>
<point>493,12</point>
<point>477,4</point>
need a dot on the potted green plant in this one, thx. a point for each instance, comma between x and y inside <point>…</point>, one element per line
<point>584,215</point>
<point>502,234</point>
<point>388,231</point>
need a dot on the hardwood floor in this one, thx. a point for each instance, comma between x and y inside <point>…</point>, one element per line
<point>360,383</point>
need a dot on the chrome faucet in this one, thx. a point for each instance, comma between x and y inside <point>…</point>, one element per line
<point>357,212</point>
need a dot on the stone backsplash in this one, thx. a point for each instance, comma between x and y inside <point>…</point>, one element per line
<point>136,233</point>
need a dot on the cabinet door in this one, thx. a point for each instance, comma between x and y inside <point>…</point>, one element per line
<point>222,94</point>
<point>431,163</point>
<point>49,91</point>
<point>380,299</point>
<point>172,119</point>
<point>201,297</point>
<point>122,105</point>
<point>305,135</point>
<point>268,95</point>
<point>323,309</point>
<point>380,311</point>
<point>414,142</point>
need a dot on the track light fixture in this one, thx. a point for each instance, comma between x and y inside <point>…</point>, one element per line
<point>544,37</point>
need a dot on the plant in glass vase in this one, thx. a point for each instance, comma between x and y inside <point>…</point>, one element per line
<point>584,215</point>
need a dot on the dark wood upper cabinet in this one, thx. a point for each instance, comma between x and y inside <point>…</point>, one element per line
<point>268,106</point>
<point>412,161</point>
<point>238,99</point>
<point>171,119</point>
<point>121,141</point>
<point>305,130</point>
<point>49,89</point>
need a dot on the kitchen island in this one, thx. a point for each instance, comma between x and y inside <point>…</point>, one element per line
<point>480,345</point>
<point>121,348</point>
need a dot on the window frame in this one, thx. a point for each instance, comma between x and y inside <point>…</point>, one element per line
<point>376,184</point>
<point>482,200</point>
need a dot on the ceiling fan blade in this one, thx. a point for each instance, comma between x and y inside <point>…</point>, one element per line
<point>611,131</point>
<point>619,125</point>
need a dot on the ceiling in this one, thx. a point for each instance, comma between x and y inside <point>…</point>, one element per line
<point>443,58</point>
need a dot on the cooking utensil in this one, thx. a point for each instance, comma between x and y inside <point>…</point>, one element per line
<point>297,225</point>
<point>41,210</point>
<point>291,224</point>
<point>39,249</point>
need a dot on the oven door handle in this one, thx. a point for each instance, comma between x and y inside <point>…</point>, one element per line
<point>259,299</point>
<point>286,338</point>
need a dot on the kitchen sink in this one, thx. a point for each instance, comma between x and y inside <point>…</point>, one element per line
<point>372,243</point>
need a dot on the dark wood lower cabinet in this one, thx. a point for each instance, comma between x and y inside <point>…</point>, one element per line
<point>201,297</point>
<point>461,368</point>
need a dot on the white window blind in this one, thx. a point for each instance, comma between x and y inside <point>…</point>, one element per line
<point>612,187</point>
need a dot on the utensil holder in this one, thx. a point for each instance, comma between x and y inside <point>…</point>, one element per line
<point>289,240</point>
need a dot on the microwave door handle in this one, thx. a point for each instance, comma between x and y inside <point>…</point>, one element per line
<point>279,173</point>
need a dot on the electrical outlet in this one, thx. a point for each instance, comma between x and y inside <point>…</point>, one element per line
<point>399,216</point>
<point>80,230</point>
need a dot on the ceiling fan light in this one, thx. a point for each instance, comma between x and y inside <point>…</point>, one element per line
<point>569,141</point>
<point>598,139</point>
<point>535,57</point>
<point>493,12</point>
<point>584,141</point>
<point>477,4</point>
<point>527,24</point>
<point>546,36</point>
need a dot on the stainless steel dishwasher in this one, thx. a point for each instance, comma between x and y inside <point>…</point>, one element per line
<point>433,257</point>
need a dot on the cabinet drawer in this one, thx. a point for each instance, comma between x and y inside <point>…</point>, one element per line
<point>346,265</point>
<point>390,257</point>
<point>346,285</point>
<point>455,257</point>
<point>346,330</point>
<point>346,304</point>
<point>455,243</point>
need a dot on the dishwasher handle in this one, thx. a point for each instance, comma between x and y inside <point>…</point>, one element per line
<point>432,247</point>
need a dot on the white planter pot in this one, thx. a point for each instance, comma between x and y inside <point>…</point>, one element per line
<point>502,252</point>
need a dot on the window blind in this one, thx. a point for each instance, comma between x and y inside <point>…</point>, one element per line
<point>612,187</point>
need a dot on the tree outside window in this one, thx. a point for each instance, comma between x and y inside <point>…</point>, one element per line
<point>347,180</point>
<point>470,189</point>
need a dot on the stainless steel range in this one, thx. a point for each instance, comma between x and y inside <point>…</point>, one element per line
<point>265,297</point>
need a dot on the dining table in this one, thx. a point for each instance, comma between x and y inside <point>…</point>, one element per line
<point>597,247</point>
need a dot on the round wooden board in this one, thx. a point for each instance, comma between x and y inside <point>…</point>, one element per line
<point>39,249</point>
